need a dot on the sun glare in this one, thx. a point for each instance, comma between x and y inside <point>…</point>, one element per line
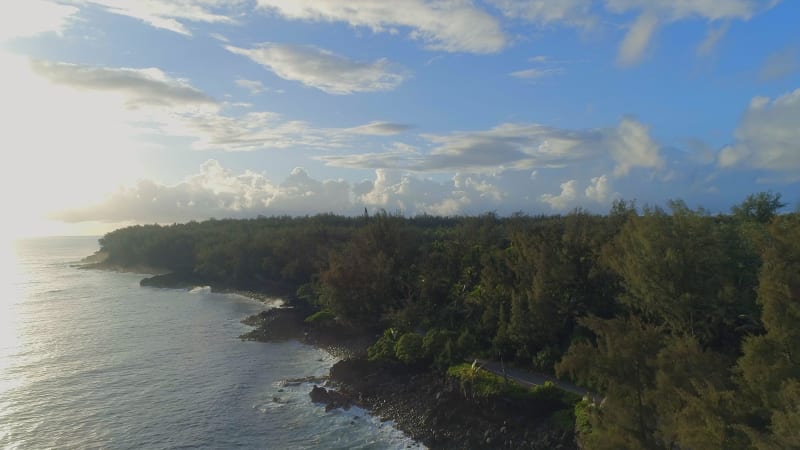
<point>71,147</point>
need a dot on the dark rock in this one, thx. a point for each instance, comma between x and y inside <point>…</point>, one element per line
<point>319,394</point>
<point>408,397</point>
<point>331,399</point>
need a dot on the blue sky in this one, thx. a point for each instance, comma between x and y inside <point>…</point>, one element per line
<point>122,112</point>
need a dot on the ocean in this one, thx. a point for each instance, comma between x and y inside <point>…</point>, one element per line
<point>89,359</point>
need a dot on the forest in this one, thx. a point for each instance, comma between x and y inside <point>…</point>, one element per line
<point>686,322</point>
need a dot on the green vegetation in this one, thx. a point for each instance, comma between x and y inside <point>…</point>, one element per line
<point>483,384</point>
<point>545,400</point>
<point>323,316</point>
<point>684,321</point>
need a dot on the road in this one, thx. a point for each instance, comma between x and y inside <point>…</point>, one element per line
<point>527,378</point>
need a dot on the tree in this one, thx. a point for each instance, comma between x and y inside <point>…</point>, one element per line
<point>760,207</point>
<point>694,398</point>
<point>770,364</point>
<point>621,363</point>
<point>679,271</point>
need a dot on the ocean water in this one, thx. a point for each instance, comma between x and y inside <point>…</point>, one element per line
<point>90,359</point>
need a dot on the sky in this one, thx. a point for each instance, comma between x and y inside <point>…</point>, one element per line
<point>117,112</point>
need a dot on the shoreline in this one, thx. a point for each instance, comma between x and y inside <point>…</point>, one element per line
<point>429,408</point>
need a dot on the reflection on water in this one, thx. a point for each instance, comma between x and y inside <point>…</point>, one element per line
<point>10,299</point>
<point>89,359</point>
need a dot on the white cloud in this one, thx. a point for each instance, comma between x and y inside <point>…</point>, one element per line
<point>218,192</point>
<point>768,135</point>
<point>599,189</point>
<point>516,146</point>
<point>655,12</point>
<point>324,70</point>
<point>170,15</point>
<point>254,86</point>
<point>632,48</point>
<point>379,128</point>
<point>20,18</point>
<point>220,37</point>
<point>564,199</point>
<point>399,191</point>
<point>631,146</point>
<point>714,35</point>
<point>532,74</point>
<point>139,86</point>
<point>158,104</point>
<point>673,10</point>
<point>576,13</point>
<point>453,26</point>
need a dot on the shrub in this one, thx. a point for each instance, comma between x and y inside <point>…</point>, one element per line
<point>383,348</point>
<point>583,411</point>
<point>408,348</point>
<point>482,383</point>
<point>437,345</point>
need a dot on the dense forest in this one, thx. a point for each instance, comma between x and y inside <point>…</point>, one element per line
<point>685,321</point>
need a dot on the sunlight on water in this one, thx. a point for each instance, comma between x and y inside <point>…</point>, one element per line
<point>10,299</point>
<point>90,359</point>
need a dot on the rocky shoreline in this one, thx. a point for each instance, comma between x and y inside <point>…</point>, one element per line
<point>435,409</point>
<point>431,408</point>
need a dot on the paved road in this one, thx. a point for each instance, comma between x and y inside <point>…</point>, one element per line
<point>527,378</point>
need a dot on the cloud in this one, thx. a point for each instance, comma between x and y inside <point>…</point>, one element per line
<point>140,86</point>
<point>575,13</point>
<point>518,146</point>
<point>631,146</point>
<point>599,189</point>
<point>768,135</point>
<point>324,70</point>
<point>400,156</point>
<point>632,48</point>
<point>780,64</point>
<point>216,192</point>
<point>23,18</point>
<point>452,26</point>
<point>159,104</point>
<point>673,10</point>
<point>532,74</point>
<point>655,12</point>
<point>170,15</point>
<point>561,201</point>
<point>219,192</point>
<point>254,86</point>
<point>379,128</point>
<point>713,37</point>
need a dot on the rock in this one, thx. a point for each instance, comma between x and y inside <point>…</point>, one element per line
<point>319,394</point>
<point>331,399</point>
